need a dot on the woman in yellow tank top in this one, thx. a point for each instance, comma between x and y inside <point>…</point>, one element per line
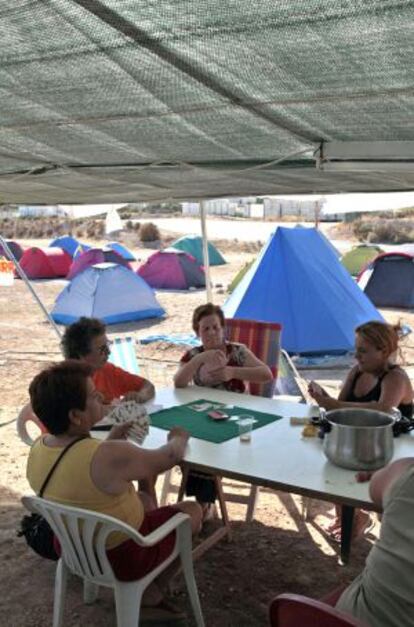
<point>98,475</point>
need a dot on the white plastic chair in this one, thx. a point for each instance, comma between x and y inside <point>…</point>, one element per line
<point>26,416</point>
<point>82,535</point>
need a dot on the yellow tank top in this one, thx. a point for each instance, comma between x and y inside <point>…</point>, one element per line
<point>71,484</point>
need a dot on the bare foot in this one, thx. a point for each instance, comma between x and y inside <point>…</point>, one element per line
<point>333,526</point>
<point>362,520</point>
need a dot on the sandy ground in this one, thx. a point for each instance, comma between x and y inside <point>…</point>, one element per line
<point>278,552</point>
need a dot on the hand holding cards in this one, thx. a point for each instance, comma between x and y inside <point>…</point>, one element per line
<point>215,361</point>
<point>137,414</point>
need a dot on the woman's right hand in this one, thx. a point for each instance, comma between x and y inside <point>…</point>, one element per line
<point>120,431</point>
<point>315,390</point>
<point>178,432</point>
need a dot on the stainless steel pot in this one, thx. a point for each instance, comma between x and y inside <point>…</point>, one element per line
<point>359,439</point>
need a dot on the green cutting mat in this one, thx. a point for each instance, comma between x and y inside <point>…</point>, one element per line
<point>201,426</point>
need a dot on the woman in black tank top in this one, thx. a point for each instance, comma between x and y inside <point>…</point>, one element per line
<point>374,383</point>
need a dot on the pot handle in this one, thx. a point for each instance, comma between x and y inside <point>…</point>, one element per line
<point>324,424</point>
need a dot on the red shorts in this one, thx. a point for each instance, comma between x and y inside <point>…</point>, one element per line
<point>131,561</point>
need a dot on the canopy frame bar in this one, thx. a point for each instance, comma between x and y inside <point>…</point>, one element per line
<point>30,287</point>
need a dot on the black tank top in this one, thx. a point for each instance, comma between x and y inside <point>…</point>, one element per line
<point>374,394</point>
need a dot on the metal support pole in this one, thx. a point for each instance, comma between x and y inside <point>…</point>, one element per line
<point>23,276</point>
<point>205,251</point>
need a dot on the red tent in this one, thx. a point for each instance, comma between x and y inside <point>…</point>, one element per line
<point>45,263</point>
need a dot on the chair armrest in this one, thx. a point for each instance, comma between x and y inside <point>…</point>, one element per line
<point>159,534</point>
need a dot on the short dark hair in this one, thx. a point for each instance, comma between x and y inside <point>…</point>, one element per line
<point>58,389</point>
<point>76,341</point>
<point>206,310</point>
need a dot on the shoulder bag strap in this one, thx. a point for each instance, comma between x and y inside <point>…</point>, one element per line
<point>51,471</point>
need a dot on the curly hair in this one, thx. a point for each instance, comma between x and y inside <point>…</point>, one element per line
<point>76,341</point>
<point>57,390</point>
<point>206,310</point>
<point>382,335</point>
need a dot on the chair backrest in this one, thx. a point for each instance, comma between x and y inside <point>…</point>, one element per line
<point>289,381</point>
<point>293,610</point>
<point>263,339</point>
<point>26,416</point>
<point>82,535</point>
<point>123,354</point>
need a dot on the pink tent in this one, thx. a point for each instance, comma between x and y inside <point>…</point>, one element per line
<point>172,270</point>
<point>45,263</point>
<point>93,256</point>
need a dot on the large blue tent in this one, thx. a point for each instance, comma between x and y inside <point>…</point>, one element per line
<point>297,280</point>
<point>107,291</point>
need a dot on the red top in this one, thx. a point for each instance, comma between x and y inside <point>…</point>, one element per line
<point>114,382</point>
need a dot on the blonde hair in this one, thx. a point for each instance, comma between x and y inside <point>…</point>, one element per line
<point>382,335</point>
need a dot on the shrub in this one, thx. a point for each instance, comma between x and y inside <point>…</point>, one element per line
<point>381,230</point>
<point>149,232</point>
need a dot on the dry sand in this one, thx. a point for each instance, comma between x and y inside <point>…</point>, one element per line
<point>278,552</point>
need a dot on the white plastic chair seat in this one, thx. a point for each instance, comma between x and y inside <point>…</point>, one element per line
<point>82,535</point>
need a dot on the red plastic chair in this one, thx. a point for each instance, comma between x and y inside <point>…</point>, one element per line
<point>295,610</point>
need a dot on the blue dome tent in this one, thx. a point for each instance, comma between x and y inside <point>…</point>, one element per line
<point>297,280</point>
<point>65,242</point>
<point>109,292</point>
<point>122,250</point>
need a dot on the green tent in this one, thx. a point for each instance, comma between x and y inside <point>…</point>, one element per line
<point>359,256</point>
<point>193,245</point>
<point>240,275</point>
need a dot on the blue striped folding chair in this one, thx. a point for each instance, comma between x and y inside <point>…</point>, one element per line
<point>123,354</point>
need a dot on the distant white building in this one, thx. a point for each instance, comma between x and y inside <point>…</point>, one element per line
<point>40,211</point>
<point>242,207</point>
<point>301,206</point>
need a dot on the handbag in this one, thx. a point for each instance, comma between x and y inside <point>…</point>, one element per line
<point>36,530</point>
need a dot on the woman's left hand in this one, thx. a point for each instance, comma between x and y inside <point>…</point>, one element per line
<point>120,432</point>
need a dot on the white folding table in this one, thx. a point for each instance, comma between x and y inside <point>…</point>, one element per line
<point>277,457</point>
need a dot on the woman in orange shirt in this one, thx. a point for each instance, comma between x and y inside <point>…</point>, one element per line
<point>86,340</point>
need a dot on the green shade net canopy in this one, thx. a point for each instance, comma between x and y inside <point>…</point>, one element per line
<point>103,100</point>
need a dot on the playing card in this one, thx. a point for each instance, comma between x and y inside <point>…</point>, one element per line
<point>135,412</point>
<point>201,406</point>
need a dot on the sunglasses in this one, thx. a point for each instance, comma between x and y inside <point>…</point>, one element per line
<point>105,348</point>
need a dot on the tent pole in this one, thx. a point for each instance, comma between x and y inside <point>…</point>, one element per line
<point>205,251</point>
<point>23,276</point>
